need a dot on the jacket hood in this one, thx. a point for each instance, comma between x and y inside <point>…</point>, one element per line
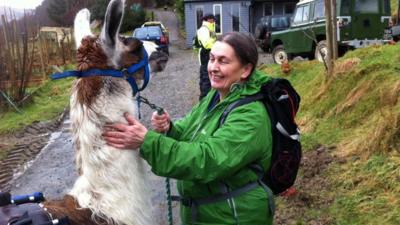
<point>249,87</point>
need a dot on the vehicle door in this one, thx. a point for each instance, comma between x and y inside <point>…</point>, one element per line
<point>297,40</point>
<point>370,18</point>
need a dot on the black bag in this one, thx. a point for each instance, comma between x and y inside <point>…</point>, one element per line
<point>196,43</point>
<point>282,103</point>
<point>24,210</point>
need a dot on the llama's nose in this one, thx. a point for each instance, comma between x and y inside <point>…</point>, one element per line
<point>158,60</point>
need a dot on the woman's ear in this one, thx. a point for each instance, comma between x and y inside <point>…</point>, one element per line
<point>246,71</point>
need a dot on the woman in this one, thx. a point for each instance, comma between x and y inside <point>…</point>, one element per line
<point>209,160</point>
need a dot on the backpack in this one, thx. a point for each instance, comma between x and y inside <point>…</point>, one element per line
<point>24,210</point>
<point>196,43</point>
<point>282,103</point>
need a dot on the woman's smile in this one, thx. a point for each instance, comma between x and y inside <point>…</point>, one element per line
<point>225,68</point>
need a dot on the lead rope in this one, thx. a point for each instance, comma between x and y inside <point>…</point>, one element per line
<point>160,111</point>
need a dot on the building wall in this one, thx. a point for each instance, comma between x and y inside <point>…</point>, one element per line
<point>226,17</point>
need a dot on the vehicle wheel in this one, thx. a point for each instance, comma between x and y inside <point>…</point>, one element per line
<point>279,55</point>
<point>321,51</point>
<point>260,30</point>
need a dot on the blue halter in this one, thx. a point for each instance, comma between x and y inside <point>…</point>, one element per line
<point>124,73</point>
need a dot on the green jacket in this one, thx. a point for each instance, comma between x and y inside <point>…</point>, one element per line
<point>201,155</point>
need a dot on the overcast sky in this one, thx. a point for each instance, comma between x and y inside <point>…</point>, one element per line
<point>20,4</point>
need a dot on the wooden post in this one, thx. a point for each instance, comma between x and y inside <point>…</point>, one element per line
<point>43,69</point>
<point>335,31</point>
<point>329,35</point>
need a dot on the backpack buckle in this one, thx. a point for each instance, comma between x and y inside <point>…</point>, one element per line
<point>188,202</point>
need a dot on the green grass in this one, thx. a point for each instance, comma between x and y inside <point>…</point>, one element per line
<point>48,102</point>
<point>358,111</point>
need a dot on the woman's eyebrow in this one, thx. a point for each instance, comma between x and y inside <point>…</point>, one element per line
<point>219,57</point>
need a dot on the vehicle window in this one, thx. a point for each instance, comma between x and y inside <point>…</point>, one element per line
<point>154,32</point>
<point>319,10</point>
<point>386,6</point>
<point>298,17</point>
<point>140,33</point>
<point>306,13</point>
<point>345,7</point>
<point>367,6</point>
<point>279,22</point>
<point>302,14</point>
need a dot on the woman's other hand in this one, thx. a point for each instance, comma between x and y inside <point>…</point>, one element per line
<point>161,123</point>
<point>125,136</point>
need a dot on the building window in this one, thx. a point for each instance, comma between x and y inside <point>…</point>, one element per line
<point>268,10</point>
<point>217,13</point>
<point>235,17</point>
<point>289,8</point>
<point>199,16</point>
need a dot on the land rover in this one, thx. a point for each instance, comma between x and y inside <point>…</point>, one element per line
<point>360,23</point>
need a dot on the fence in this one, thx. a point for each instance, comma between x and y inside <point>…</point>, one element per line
<point>27,56</point>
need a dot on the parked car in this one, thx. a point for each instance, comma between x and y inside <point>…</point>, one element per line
<point>268,24</point>
<point>154,34</point>
<point>360,23</point>
<point>396,27</point>
<point>158,24</point>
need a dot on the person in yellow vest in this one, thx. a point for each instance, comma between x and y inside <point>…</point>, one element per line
<point>207,37</point>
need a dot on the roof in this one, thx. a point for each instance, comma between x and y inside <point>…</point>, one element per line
<point>190,1</point>
<point>304,2</point>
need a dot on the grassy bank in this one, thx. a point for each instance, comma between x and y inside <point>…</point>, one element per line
<point>48,102</point>
<point>357,113</point>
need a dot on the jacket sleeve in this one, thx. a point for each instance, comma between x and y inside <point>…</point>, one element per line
<point>244,138</point>
<point>180,125</point>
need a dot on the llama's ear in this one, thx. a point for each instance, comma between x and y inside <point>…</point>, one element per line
<point>81,26</point>
<point>112,23</point>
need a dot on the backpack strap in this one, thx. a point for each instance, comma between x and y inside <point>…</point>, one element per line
<point>238,103</point>
<point>194,203</point>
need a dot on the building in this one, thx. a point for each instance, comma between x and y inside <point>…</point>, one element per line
<point>232,15</point>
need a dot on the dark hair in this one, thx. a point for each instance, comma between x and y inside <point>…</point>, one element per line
<point>208,16</point>
<point>244,46</point>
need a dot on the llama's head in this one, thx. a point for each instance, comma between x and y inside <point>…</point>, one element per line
<point>110,50</point>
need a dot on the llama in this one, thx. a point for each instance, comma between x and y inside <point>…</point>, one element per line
<point>112,186</point>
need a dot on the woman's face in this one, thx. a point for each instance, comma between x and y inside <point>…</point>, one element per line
<point>224,68</point>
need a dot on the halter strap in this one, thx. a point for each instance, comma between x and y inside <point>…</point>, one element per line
<point>124,73</point>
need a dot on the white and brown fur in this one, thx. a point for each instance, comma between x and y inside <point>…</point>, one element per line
<point>112,187</point>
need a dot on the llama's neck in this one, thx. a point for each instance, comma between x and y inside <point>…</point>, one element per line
<point>112,183</point>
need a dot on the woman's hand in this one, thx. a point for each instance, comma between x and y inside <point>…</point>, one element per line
<point>161,123</point>
<point>125,136</point>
